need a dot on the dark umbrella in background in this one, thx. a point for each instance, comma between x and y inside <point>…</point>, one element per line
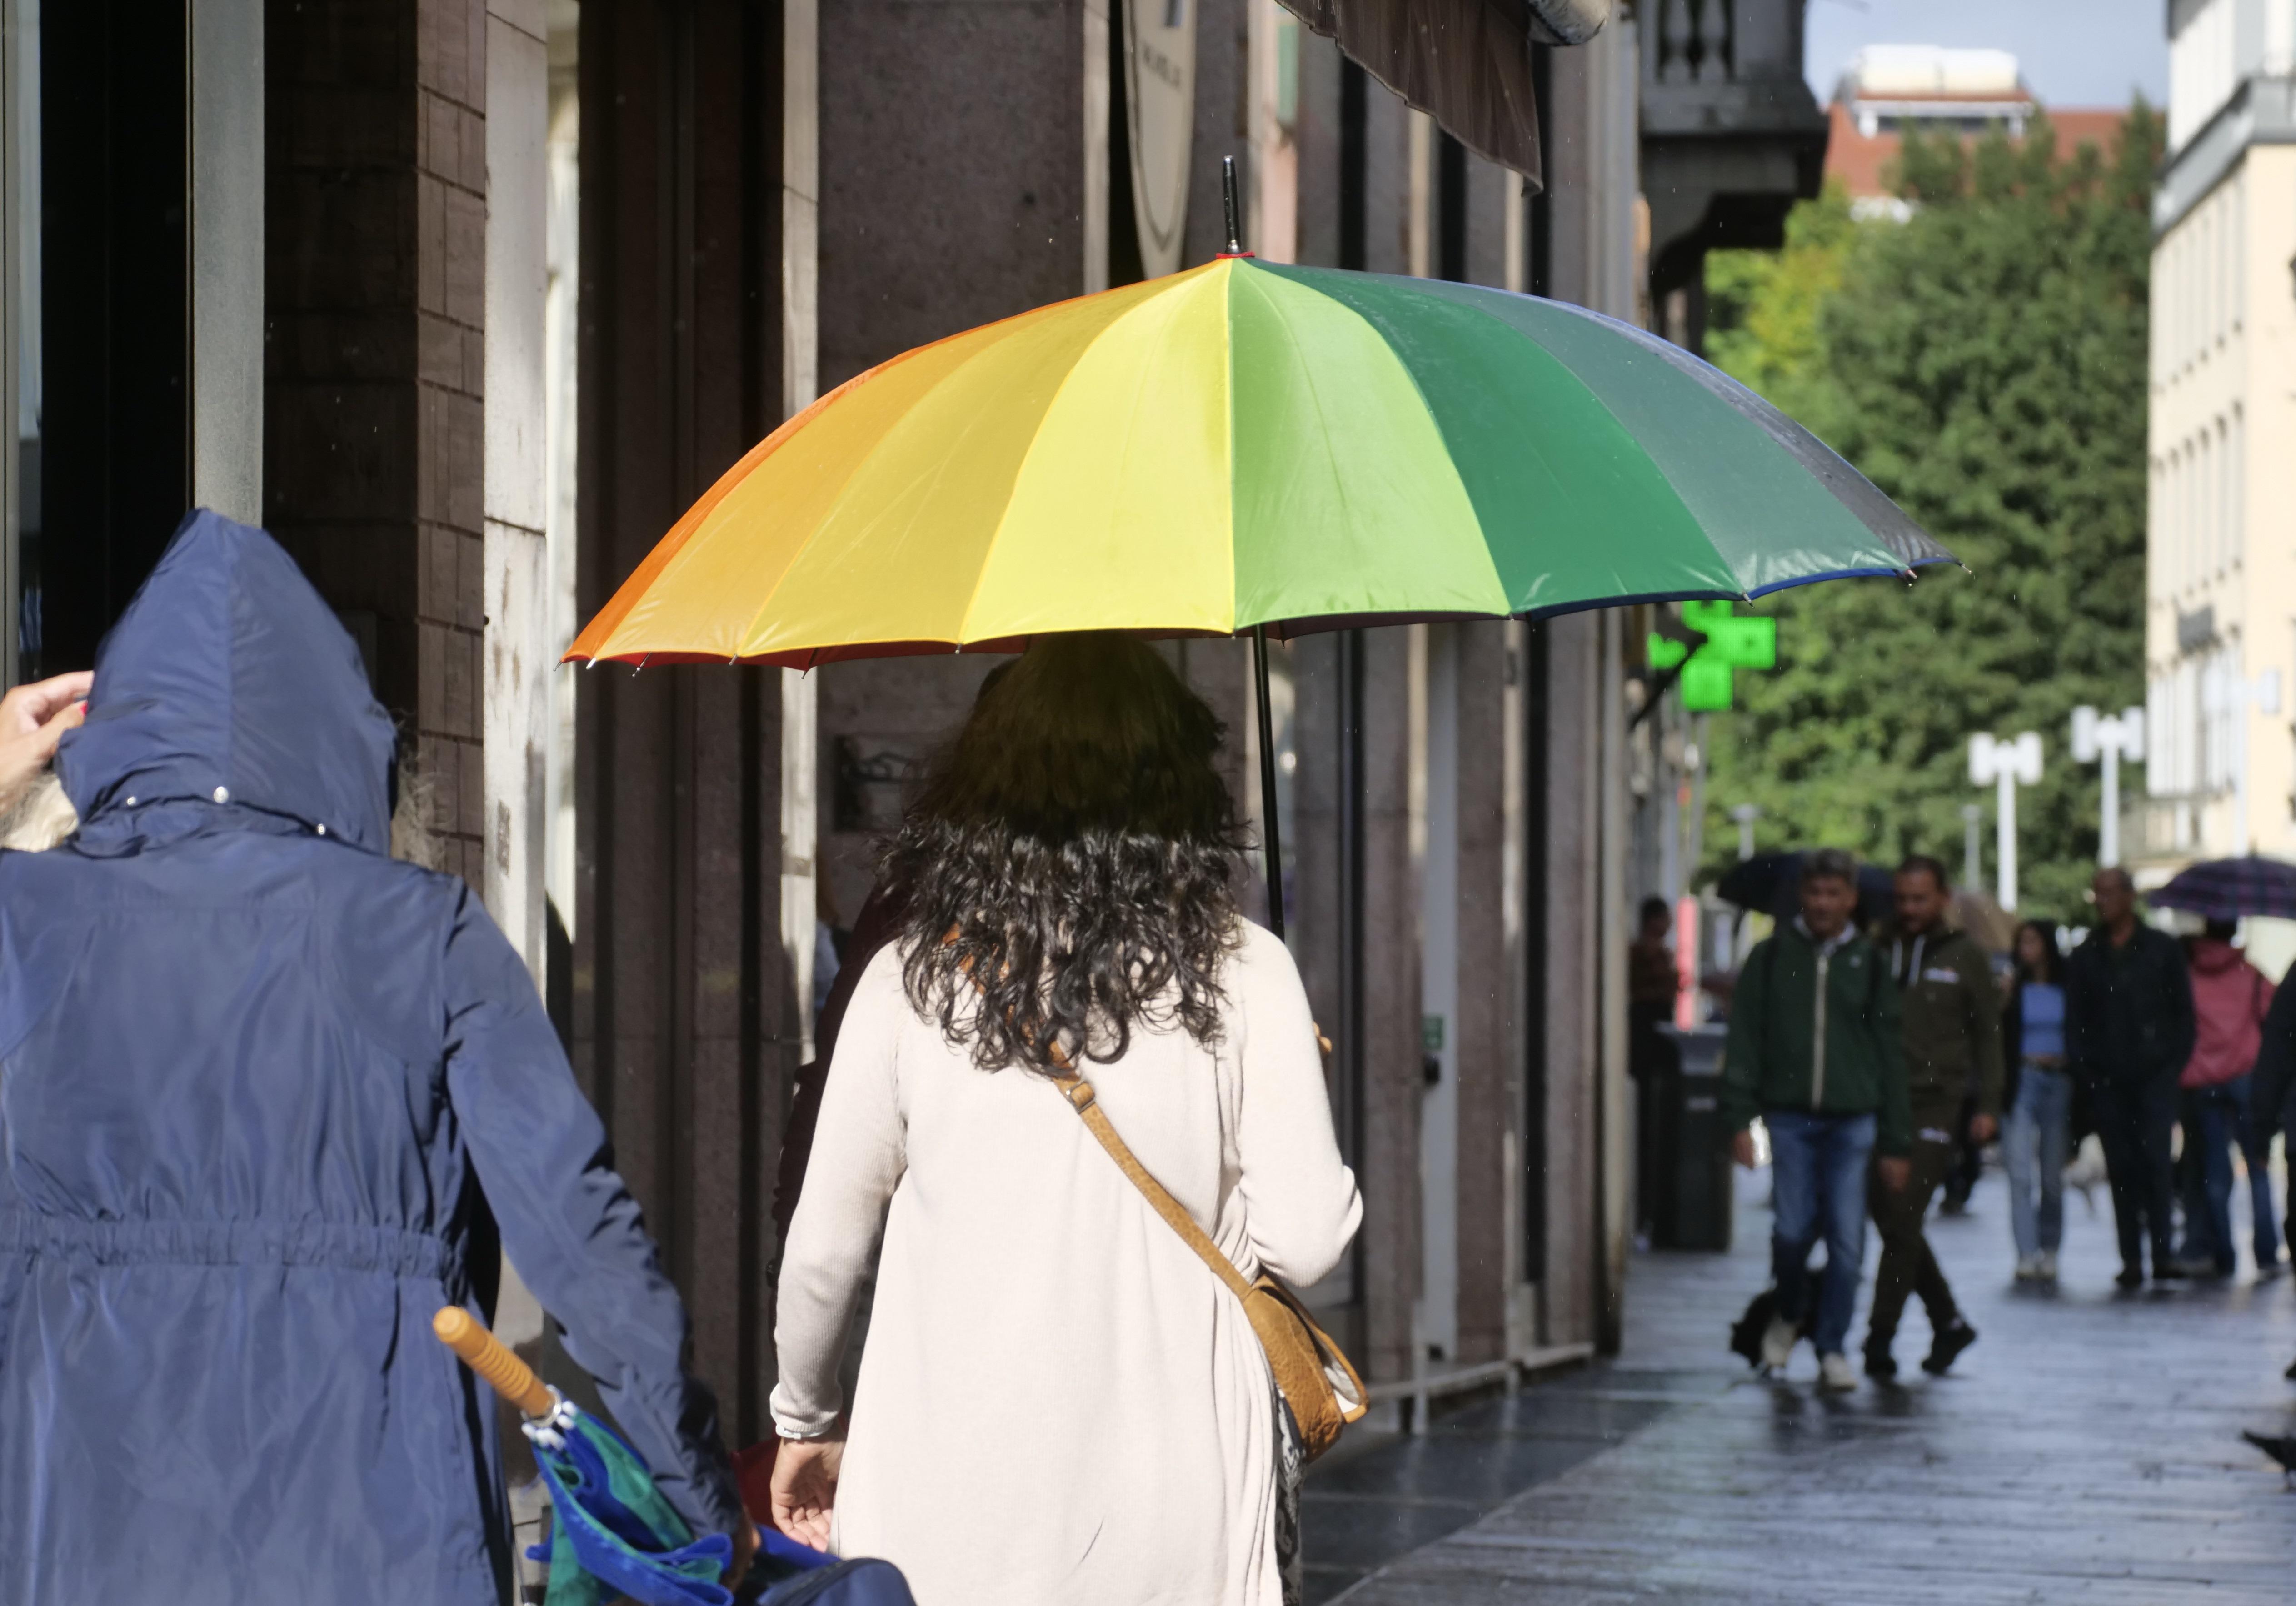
<point>1770,883</point>
<point>2229,889</point>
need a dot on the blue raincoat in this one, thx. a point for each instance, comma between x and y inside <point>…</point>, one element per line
<point>254,1075</point>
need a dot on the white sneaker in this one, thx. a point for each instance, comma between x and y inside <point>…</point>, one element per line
<point>2028,1268</point>
<point>1835,1375</point>
<point>1779,1341</point>
<point>2049,1272</point>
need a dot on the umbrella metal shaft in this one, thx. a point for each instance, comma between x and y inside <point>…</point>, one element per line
<point>1270,837</point>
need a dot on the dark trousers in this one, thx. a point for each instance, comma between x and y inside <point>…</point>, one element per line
<point>2133,1122</point>
<point>1908,1265</point>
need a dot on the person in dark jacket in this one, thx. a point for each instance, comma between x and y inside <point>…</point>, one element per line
<point>2272,1089</point>
<point>1949,1006</point>
<point>2128,1033</point>
<point>1817,1050</point>
<point>265,1091</point>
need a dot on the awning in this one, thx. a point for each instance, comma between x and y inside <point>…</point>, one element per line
<point>1466,63</point>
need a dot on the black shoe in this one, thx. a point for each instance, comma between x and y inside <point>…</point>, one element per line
<point>2290,1374</point>
<point>2129,1277</point>
<point>1947,1345</point>
<point>2168,1271</point>
<point>1881,1365</point>
<point>2281,1450</point>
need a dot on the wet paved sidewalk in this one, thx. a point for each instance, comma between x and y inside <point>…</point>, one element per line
<point>2086,1450</point>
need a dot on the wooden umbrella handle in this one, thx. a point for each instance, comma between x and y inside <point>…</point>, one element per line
<point>492,1359</point>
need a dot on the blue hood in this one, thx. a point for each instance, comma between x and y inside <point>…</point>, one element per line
<point>228,680</point>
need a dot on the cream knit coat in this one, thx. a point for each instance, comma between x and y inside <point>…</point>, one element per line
<point>1059,1404</point>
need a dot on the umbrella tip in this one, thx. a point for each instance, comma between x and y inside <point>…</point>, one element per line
<point>1227,200</point>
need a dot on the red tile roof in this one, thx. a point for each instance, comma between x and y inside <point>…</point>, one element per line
<point>1862,162</point>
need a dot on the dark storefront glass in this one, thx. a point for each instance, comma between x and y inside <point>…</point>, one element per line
<point>99,309</point>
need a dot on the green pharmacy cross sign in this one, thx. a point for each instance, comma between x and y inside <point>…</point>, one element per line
<point>1731,643</point>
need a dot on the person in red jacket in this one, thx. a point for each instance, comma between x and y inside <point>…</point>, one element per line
<point>2230,997</point>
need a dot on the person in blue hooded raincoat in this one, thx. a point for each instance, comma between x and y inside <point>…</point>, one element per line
<point>261,1089</point>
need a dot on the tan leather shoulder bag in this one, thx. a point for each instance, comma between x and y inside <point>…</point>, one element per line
<point>1318,1383</point>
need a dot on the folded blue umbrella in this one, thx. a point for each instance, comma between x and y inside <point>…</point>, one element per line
<point>611,1534</point>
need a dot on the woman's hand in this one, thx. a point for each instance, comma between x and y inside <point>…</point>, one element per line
<point>805,1488</point>
<point>33,719</point>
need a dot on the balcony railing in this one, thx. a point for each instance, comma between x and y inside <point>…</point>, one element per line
<point>1732,136</point>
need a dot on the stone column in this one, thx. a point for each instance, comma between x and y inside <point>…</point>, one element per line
<point>1394,772</point>
<point>1482,1062</point>
<point>375,287</point>
<point>685,1023</point>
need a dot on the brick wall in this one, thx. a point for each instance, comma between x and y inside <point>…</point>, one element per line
<point>374,366</point>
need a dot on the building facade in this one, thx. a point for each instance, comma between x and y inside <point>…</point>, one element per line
<point>1889,91</point>
<point>468,299</point>
<point>2220,598</point>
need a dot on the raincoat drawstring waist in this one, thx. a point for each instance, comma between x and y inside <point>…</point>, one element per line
<point>339,1246</point>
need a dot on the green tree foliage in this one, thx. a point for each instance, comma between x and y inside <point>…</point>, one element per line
<point>1984,362</point>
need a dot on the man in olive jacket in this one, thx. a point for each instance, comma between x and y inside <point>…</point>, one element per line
<point>2129,1033</point>
<point>1951,1006</point>
<point>1816,1050</point>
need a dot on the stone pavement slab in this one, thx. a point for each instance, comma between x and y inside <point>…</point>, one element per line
<point>2086,1450</point>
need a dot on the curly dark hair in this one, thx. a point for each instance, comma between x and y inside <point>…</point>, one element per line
<point>1064,874</point>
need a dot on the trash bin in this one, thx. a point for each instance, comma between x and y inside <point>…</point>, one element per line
<point>1697,1192</point>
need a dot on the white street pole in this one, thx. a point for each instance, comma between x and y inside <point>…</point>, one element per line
<point>1972,871</point>
<point>2004,838</point>
<point>1745,814</point>
<point>2108,825</point>
<point>2006,765</point>
<point>2105,740</point>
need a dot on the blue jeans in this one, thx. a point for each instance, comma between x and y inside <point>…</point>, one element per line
<point>1818,1175</point>
<point>2222,1121</point>
<point>2034,1147</point>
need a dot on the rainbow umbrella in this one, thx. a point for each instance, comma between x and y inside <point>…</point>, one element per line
<point>1249,445</point>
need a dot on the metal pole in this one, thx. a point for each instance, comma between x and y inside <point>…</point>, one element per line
<point>2004,850</point>
<point>1697,831</point>
<point>2108,825</point>
<point>1268,835</point>
<point>2241,840</point>
<point>1973,868</point>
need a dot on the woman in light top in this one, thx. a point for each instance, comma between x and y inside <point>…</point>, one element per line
<point>1058,1402</point>
<point>2035,1141</point>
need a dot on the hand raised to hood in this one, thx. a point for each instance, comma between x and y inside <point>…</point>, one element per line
<point>33,719</point>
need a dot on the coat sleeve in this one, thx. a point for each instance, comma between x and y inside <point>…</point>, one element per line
<point>1300,1198</point>
<point>1743,1046</point>
<point>569,1224</point>
<point>1895,1137</point>
<point>2276,1062</point>
<point>1984,1028</point>
<point>861,1144</point>
<point>877,925</point>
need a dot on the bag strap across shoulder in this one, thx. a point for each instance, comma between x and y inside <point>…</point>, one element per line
<point>1086,1104</point>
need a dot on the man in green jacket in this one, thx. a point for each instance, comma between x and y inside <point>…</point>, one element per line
<point>1951,1006</point>
<point>1816,1050</point>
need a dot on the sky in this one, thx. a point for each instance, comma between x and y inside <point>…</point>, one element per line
<point>2073,52</point>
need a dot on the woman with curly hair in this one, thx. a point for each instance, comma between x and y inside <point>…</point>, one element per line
<point>1058,1402</point>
